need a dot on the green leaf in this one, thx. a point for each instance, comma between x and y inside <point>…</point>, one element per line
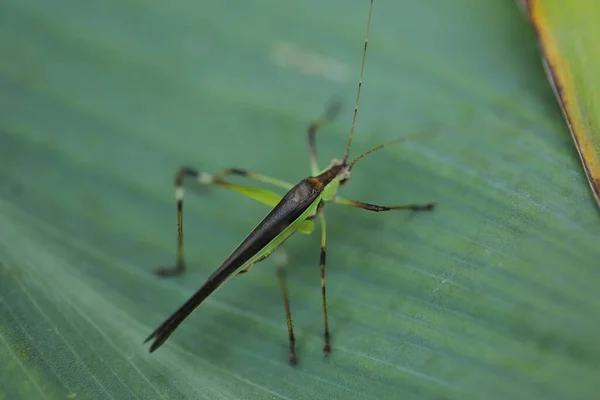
<point>568,34</point>
<point>493,295</point>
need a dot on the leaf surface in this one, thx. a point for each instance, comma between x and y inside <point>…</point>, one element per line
<point>493,295</point>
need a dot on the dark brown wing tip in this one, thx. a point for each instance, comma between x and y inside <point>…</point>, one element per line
<point>157,343</point>
<point>159,338</point>
<point>160,335</point>
<point>152,336</point>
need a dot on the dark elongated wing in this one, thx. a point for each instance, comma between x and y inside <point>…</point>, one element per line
<point>291,206</point>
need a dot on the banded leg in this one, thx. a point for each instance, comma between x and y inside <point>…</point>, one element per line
<point>263,195</point>
<point>331,111</point>
<point>322,260</point>
<point>280,260</point>
<point>376,208</point>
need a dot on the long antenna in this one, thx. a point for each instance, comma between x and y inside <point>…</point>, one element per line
<point>362,69</point>
<point>381,146</point>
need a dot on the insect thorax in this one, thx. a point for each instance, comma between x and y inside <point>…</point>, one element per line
<point>341,173</point>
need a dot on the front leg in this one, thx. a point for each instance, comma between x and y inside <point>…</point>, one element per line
<point>376,208</point>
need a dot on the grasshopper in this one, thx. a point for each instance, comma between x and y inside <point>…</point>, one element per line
<point>295,212</point>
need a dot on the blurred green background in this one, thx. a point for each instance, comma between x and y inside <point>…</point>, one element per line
<point>494,295</point>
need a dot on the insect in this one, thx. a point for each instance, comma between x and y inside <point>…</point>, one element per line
<point>295,212</point>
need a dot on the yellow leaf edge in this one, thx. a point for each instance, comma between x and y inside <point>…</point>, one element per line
<point>561,80</point>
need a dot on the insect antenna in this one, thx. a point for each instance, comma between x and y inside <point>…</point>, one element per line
<point>381,146</point>
<point>362,69</point>
<point>373,150</point>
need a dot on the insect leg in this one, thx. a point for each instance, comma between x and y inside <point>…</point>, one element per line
<point>376,208</point>
<point>326,346</point>
<point>264,196</point>
<point>331,111</point>
<point>180,262</point>
<point>280,260</point>
<point>256,177</point>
